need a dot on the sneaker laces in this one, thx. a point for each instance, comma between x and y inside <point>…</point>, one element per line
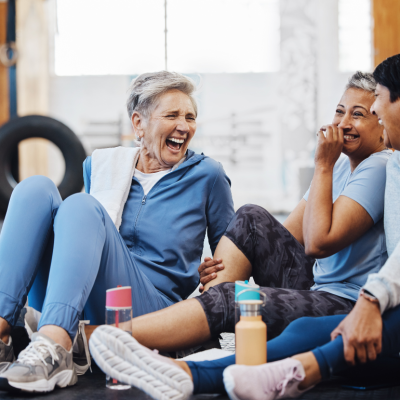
<point>282,383</point>
<point>36,351</point>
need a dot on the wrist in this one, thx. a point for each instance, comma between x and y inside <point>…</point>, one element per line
<point>365,302</point>
<point>324,168</point>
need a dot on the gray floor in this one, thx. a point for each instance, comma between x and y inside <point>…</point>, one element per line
<point>92,386</point>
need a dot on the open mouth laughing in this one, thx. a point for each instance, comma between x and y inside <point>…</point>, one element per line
<point>174,144</point>
<point>350,138</point>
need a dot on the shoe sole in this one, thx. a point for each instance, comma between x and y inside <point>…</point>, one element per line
<point>121,357</point>
<point>229,383</point>
<point>62,379</point>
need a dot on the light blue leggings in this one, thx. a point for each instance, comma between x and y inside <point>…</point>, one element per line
<point>312,334</point>
<point>65,254</point>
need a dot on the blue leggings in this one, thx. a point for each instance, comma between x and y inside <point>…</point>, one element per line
<point>65,254</point>
<point>310,334</point>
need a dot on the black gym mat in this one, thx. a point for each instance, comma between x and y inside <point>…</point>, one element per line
<point>91,386</point>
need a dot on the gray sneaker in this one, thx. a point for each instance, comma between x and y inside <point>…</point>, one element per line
<point>6,355</point>
<point>43,365</point>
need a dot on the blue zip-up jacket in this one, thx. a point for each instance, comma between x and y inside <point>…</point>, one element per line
<point>165,230</point>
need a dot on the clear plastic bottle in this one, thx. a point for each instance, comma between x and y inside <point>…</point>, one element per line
<point>119,314</point>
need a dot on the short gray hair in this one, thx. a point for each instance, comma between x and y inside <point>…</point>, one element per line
<point>362,80</point>
<point>146,88</point>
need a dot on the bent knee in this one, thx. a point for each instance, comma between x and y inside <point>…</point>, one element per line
<point>78,204</point>
<point>79,201</point>
<point>251,212</point>
<point>302,323</point>
<point>36,184</point>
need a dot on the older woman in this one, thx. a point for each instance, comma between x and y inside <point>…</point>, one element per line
<point>174,196</point>
<point>339,222</point>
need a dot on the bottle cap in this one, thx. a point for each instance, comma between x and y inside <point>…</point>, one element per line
<point>240,285</point>
<point>119,297</point>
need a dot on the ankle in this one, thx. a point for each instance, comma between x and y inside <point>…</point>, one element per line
<point>184,366</point>
<point>5,331</point>
<point>311,369</point>
<point>59,335</point>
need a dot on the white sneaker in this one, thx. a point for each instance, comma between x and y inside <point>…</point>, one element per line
<point>121,357</point>
<point>275,380</point>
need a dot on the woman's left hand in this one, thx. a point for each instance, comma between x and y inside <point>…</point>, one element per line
<point>329,147</point>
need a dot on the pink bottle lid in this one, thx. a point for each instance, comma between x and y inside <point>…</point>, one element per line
<point>119,297</point>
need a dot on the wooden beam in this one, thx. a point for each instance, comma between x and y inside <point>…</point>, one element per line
<point>4,95</point>
<point>386,14</point>
<point>32,80</point>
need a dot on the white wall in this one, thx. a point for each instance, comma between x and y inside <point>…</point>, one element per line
<point>276,115</point>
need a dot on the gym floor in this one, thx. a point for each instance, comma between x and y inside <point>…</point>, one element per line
<point>92,386</point>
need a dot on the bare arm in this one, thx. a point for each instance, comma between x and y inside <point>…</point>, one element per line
<point>294,222</point>
<point>329,228</point>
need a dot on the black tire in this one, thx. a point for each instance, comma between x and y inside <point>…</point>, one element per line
<point>37,126</point>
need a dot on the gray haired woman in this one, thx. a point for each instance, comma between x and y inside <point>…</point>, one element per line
<point>66,254</point>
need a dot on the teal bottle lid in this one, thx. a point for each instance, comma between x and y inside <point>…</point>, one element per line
<point>243,285</point>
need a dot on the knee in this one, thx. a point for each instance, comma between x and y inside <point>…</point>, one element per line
<point>35,186</point>
<point>79,202</point>
<point>303,324</point>
<point>250,210</point>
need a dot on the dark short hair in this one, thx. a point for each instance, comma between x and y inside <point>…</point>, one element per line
<point>387,74</point>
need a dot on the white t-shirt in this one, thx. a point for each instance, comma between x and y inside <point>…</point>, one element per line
<point>149,180</point>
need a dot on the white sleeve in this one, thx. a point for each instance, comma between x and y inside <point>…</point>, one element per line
<point>385,285</point>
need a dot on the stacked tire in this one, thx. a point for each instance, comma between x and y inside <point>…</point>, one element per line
<point>37,126</point>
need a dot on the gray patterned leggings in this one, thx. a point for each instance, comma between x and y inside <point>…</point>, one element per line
<point>282,269</point>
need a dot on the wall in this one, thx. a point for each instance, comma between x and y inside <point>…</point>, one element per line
<point>262,127</point>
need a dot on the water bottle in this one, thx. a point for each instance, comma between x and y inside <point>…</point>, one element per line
<point>251,331</point>
<point>248,295</point>
<point>119,314</point>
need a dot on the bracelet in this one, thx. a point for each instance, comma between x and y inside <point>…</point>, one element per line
<point>369,296</point>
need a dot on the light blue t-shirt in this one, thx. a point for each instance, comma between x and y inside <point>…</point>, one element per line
<point>345,272</point>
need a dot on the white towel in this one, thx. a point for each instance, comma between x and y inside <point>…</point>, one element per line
<point>111,178</point>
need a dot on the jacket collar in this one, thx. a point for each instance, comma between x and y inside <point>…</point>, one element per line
<point>191,158</point>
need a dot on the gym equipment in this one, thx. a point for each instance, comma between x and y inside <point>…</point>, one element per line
<point>37,126</point>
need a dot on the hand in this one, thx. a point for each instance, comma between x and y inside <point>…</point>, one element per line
<point>329,147</point>
<point>362,332</point>
<point>208,270</point>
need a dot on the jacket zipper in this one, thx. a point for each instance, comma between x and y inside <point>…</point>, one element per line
<point>140,210</point>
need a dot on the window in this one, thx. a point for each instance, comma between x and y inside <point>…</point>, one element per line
<point>355,35</point>
<point>97,37</point>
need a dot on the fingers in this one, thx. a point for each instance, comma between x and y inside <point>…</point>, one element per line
<point>341,135</point>
<point>208,278</point>
<point>216,268</point>
<point>209,262</point>
<point>378,345</point>
<point>361,353</point>
<point>332,133</point>
<point>201,288</point>
<point>349,353</point>
<point>371,351</point>
<point>335,333</point>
